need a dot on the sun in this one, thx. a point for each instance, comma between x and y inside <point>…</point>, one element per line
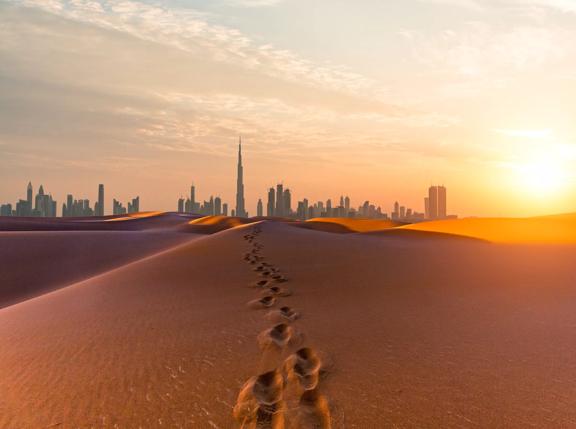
<point>542,176</point>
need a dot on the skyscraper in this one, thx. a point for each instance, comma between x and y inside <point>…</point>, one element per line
<point>240,210</point>
<point>396,212</point>
<point>441,202</point>
<point>433,202</point>
<point>192,199</point>
<point>287,206</point>
<point>436,202</point>
<point>29,192</point>
<point>217,206</point>
<point>100,205</point>
<point>259,208</point>
<point>279,211</point>
<point>271,203</point>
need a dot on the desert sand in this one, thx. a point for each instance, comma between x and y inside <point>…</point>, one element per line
<point>273,321</point>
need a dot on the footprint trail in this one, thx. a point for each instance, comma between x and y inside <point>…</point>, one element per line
<point>285,392</point>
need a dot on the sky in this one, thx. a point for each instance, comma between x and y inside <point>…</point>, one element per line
<point>376,99</point>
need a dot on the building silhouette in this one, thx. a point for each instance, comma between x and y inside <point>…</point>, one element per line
<point>287,204</point>
<point>99,207</point>
<point>29,192</point>
<point>44,205</point>
<point>192,208</point>
<point>134,206</point>
<point>436,202</point>
<point>442,212</point>
<point>270,208</point>
<point>259,208</point>
<point>240,207</point>
<point>433,202</point>
<point>217,206</point>
<point>77,208</point>
<point>279,210</point>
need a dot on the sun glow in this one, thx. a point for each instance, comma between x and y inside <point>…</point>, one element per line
<point>541,176</point>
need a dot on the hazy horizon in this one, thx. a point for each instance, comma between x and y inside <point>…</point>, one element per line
<point>376,100</point>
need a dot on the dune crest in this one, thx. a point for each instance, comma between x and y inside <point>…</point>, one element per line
<point>557,229</point>
<point>332,224</point>
<point>213,224</point>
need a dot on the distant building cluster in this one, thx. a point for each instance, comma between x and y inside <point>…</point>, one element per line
<point>212,207</point>
<point>43,205</point>
<point>278,204</point>
<point>119,209</point>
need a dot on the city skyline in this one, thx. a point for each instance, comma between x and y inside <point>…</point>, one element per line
<point>279,203</point>
<point>376,101</point>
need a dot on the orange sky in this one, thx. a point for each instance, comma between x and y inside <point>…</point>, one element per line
<point>376,100</point>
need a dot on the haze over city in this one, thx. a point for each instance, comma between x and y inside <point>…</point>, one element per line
<point>378,100</point>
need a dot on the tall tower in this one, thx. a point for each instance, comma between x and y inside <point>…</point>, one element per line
<point>240,210</point>
<point>270,210</point>
<point>279,200</point>
<point>29,194</point>
<point>433,202</point>
<point>100,200</point>
<point>441,202</point>
<point>192,199</point>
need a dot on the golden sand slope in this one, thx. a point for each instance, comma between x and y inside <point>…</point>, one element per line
<point>549,229</point>
<point>212,224</point>
<point>132,216</point>
<point>330,224</point>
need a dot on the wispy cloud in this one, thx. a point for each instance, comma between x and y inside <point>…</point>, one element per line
<point>255,3</point>
<point>185,29</point>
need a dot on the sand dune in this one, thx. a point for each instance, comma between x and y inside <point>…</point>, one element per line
<point>36,262</point>
<point>349,224</point>
<point>213,224</point>
<point>134,222</point>
<point>408,332</point>
<point>547,229</point>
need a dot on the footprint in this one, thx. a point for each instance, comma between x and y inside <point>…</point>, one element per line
<point>260,404</point>
<point>278,291</point>
<point>313,412</point>
<point>303,367</point>
<point>284,314</point>
<point>261,283</point>
<point>264,302</point>
<point>268,388</point>
<point>280,335</point>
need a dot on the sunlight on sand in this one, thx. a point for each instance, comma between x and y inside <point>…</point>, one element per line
<point>132,216</point>
<point>560,229</point>
<point>358,225</point>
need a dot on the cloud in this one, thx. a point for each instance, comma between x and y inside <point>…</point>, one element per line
<point>255,3</point>
<point>467,4</point>
<point>560,5</point>
<point>189,31</point>
<point>480,50</point>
